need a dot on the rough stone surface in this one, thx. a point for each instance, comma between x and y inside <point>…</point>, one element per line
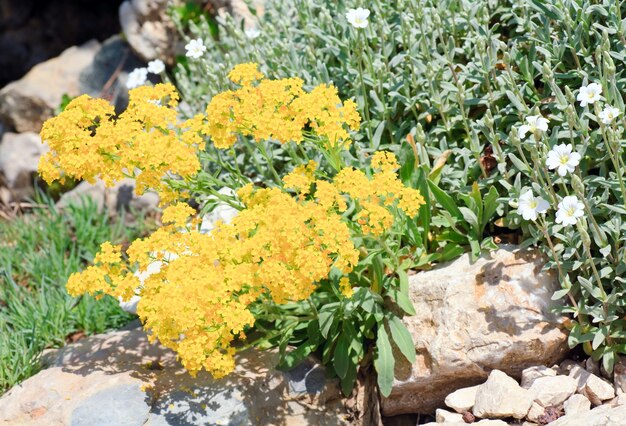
<point>120,379</point>
<point>576,404</point>
<point>552,390</point>
<point>500,397</point>
<point>443,416</point>
<point>148,29</point>
<point>599,416</point>
<point>463,399</point>
<point>120,197</point>
<point>106,76</point>
<point>530,374</point>
<point>25,104</point>
<point>239,10</point>
<point>592,386</point>
<point>536,411</point>
<point>471,319</point>
<point>19,157</point>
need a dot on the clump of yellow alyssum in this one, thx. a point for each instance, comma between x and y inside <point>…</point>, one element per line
<point>278,109</point>
<point>197,300</point>
<point>88,140</point>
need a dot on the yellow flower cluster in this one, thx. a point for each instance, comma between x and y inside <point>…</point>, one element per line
<point>277,109</point>
<point>376,196</point>
<point>197,303</point>
<point>196,289</point>
<point>88,140</point>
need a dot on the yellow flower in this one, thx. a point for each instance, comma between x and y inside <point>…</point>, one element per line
<point>345,287</point>
<point>88,141</point>
<point>178,214</point>
<point>279,110</point>
<point>245,74</point>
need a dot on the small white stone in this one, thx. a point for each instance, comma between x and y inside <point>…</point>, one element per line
<point>535,411</point>
<point>592,386</point>
<point>443,416</point>
<point>576,404</point>
<point>530,374</point>
<point>552,390</point>
<point>501,396</point>
<point>463,399</point>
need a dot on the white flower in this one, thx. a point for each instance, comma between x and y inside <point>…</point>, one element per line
<point>137,77</point>
<point>589,94</point>
<point>608,114</point>
<point>195,48</point>
<point>563,159</point>
<point>570,209</point>
<point>529,206</point>
<point>156,67</point>
<point>252,33</point>
<point>535,123</point>
<point>358,17</point>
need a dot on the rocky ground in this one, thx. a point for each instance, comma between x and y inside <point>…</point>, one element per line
<point>490,353</point>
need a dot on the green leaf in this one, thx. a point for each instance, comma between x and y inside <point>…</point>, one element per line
<point>600,337</point>
<point>471,218</point>
<point>325,319</point>
<point>521,166</point>
<point>341,355</point>
<point>403,301</point>
<point>402,338</point>
<point>451,251</point>
<point>446,201</point>
<point>293,358</point>
<point>608,360</point>
<point>384,362</point>
<point>490,205</point>
<point>347,383</point>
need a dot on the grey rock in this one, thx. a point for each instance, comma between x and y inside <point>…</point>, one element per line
<point>593,387</point>
<point>463,399</point>
<point>576,404</point>
<point>500,397</point>
<point>121,405</point>
<point>119,198</point>
<point>119,378</point>
<point>552,390</point>
<point>599,416</point>
<point>529,375</point>
<point>25,104</point>
<point>106,75</point>
<point>536,411</point>
<point>472,318</point>
<point>149,30</point>
<point>443,416</point>
<point>19,158</point>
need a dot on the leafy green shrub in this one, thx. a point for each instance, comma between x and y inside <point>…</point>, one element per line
<point>460,77</point>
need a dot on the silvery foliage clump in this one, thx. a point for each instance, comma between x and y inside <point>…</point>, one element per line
<point>462,77</point>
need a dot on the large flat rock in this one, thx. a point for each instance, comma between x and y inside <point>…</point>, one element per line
<point>120,378</point>
<point>473,318</point>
